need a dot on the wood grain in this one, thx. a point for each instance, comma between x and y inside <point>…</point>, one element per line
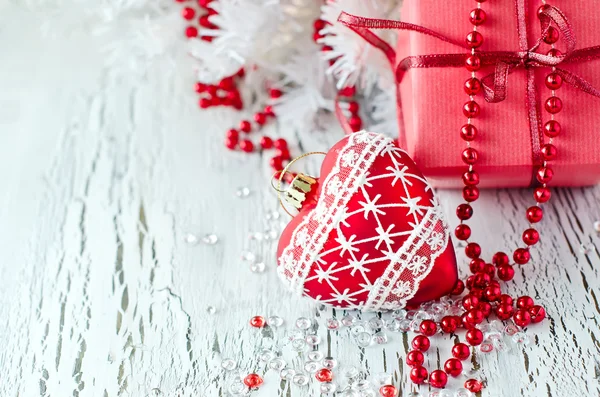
<point>103,176</point>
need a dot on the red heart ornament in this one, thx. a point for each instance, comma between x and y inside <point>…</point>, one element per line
<point>372,236</point>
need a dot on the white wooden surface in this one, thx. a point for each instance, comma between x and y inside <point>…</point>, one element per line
<point>104,173</point>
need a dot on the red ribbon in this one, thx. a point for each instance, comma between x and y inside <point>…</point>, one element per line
<point>496,84</point>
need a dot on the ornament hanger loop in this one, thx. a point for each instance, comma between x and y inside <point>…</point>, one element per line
<point>282,174</point>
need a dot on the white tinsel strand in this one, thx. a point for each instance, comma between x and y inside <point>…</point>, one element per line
<point>356,61</point>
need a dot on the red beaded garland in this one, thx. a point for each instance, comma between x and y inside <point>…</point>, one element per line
<point>474,336</point>
<point>474,39</point>
<point>464,211</point>
<point>453,367</point>
<point>542,194</point>
<point>552,129</point>
<point>473,63</point>
<point>458,288</point>
<point>504,311</point>
<point>554,81</point>
<point>537,313</point>
<point>473,250</point>
<point>521,256</point>
<point>553,105</point>
<point>246,145</point>
<point>415,358</point>
<point>461,351</point>
<point>462,232</point>
<point>525,302</point>
<point>421,342</point>
<point>470,156</point>
<point>428,327</point>
<point>438,379</point>
<point>473,385</point>
<point>477,17</point>
<point>449,324</point>
<point>468,132</point>
<point>471,109</point>
<point>418,375</point>
<point>531,236</point>
<point>522,318</point>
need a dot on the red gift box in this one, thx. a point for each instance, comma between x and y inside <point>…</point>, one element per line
<point>431,77</point>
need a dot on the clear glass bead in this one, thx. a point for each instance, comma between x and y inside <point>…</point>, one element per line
<point>500,345</point>
<point>295,334</point>
<point>277,364</point>
<point>363,339</point>
<point>257,267</point>
<point>210,239</point>
<point>415,326</point>
<point>266,355</point>
<point>287,373</point>
<point>380,338</point>
<point>242,192</point>
<point>422,315</point>
<point>446,393</point>
<point>328,388</point>
<point>511,329</point>
<point>348,320</point>
<point>349,392</point>
<point>438,308</point>
<point>313,340</point>
<point>275,321</point>
<point>462,392</point>
<point>237,388</point>
<point>382,378</point>
<point>191,239</point>
<point>521,338</point>
<point>349,372</point>
<point>597,226</point>
<point>587,248</point>
<point>315,356</point>
<point>303,323</point>
<point>299,345</point>
<point>357,329</point>
<point>392,324</point>
<point>434,393</point>
<point>400,313</point>
<point>228,364</point>
<point>329,362</point>
<point>363,384</point>
<point>211,309</point>
<point>368,393</point>
<point>375,323</point>
<point>301,379</point>
<point>332,323</point>
<point>311,367</point>
<point>156,392</point>
<point>486,347</point>
<point>248,256</point>
<point>404,325</point>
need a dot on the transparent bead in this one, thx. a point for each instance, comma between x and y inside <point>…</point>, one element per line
<point>446,300</point>
<point>422,315</point>
<point>446,393</point>
<point>348,392</point>
<point>496,325</point>
<point>228,364</point>
<point>295,335</point>
<point>492,335</point>
<point>248,256</point>
<point>392,324</point>
<point>363,384</point>
<point>462,392</point>
<point>434,393</point>
<point>315,356</point>
<point>191,239</point>
<point>438,308</point>
<point>404,325</point>
<point>486,347</point>
<point>500,345</point>
<point>368,393</point>
<point>357,329</point>
<point>511,329</point>
<point>586,248</point>
<point>328,388</point>
<point>210,239</point>
<point>329,362</point>
<point>300,379</point>
<point>348,320</point>
<point>363,339</point>
<point>380,338</point>
<point>313,340</point>
<point>382,378</point>
<point>266,355</point>
<point>332,323</point>
<point>156,392</point>
<point>597,226</point>
<point>415,325</point>
<point>303,323</point>
<point>277,364</point>
<point>521,338</point>
<point>311,367</point>
<point>400,313</point>
<point>299,345</point>
<point>242,192</point>
<point>257,267</point>
<point>211,309</point>
<point>349,371</point>
<point>237,388</point>
<point>287,373</point>
<point>275,321</point>
<point>375,323</point>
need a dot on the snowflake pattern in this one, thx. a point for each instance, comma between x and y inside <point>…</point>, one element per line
<point>369,267</point>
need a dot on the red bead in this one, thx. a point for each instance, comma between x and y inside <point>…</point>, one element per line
<point>472,86</point>
<point>280,143</point>
<point>477,17</point>
<point>421,342</point>
<point>474,337</point>
<point>554,52</point>
<point>470,178</point>
<point>418,375</point>
<point>257,321</point>
<point>553,105</point>
<point>549,152</point>
<point>253,381</point>
<point>453,367</point>
<point>554,81</point>
<point>462,232</point>
<point>535,214</point>
<point>471,109</point>
<point>191,31</point>
<point>537,313</point>
<point>531,236</point>
<point>473,250</point>
<point>521,256</point>
<point>269,111</point>
<point>473,63</point>
<point>319,24</point>
<point>489,269</point>
<point>473,385</point>
<point>284,153</point>
<point>542,9</point>
<point>476,265</point>
<point>347,91</point>
<point>542,194</point>
<point>353,107</point>
<point>544,174</point>
<point>245,126</point>
<point>428,327</point>
<point>204,3</point>
<point>226,84</point>
<point>200,87</point>
<point>246,146</point>
<point>266,142</point>
<point>475,292</point>
<point>492,293</point>
<point>448,324</point>
<point>470,282</point>
<point>438,379</point>
<point>205,22</point>
<point>552,35</point>
<point>458,288</point>
<point>469,156</point>
<point>470,193</point>
<point>504,311</point>
<point>522,318</point>
<point>231,143</point>
<point>464,212</point>
<point>355,123</point>
<point>204,103</point>
<point>390,390</point>
<point>317,36</point>
<point>461,351</point>
<point>525,302</point>
<point>275,93</point>
<point>507,299</point>
<point>415,358</point>
<point>188,13</point>
<point>470,302</point>
<point>474,39</point>
<point>505,272</point>
<point>482,280</point>
<point>276,163</point>
<point>486,309</point>
<point>260,118</point>
<point>324,375</point>
<point>475,316</point>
